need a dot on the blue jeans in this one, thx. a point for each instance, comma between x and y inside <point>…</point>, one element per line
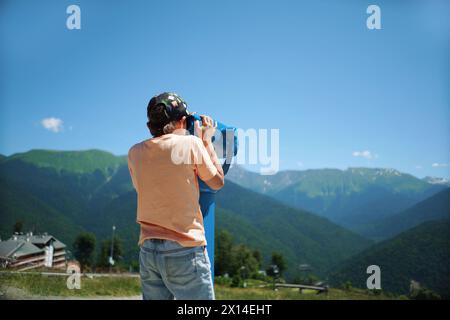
<point>169,270</point>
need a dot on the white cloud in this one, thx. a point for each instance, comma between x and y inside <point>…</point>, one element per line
<point>418,167</point>
<point>364,154</point>
<point>439,165</point>
<point>52,124</point>
<point>299,163</point>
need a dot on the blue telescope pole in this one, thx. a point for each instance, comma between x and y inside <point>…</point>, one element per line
<point>227,148</point>
<point>208,207</point>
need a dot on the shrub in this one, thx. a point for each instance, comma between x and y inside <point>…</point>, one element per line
<point>236,281</point>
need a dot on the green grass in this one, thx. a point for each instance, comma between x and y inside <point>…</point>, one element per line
<point>33,285</point>
<point>39,285</point>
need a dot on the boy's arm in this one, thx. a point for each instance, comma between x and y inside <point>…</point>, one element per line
<point>209,159</point>
<point>218,180</point>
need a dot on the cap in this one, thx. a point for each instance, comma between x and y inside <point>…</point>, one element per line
<point>164,108</point>
<point>174,106</point>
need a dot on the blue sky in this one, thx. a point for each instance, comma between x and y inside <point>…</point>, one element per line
<point>341,95</point>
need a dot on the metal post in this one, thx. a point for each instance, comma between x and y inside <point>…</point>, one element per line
<point>208,205</point>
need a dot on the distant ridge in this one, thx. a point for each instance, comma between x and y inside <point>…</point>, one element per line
<point>355,198</point>
<point>421,254</point>
<point>436,207</point>
<point>86,161</point>
<point>437,180</point>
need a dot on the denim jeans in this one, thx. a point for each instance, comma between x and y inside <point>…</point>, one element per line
<point>169,270</point>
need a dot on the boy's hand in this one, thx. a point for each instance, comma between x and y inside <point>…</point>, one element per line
<point>207,130</point>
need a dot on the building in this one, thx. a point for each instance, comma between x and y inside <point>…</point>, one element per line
<point>27,251</point>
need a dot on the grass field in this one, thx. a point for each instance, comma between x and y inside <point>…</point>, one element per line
<point>35,286</point>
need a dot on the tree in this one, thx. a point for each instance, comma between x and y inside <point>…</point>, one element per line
<point>105,251</point>
<point>258,257</point>
<point>243,262</point>
<point>223,253</point>
<point>238,261</point>
<point>236,281</point>
<point>84,247</point>
<point>278,260</point>
<point>18,226</point>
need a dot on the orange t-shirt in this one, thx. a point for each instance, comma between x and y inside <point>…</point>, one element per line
<point>164,173</point>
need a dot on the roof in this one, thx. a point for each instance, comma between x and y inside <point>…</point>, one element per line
<point>8,247</point>
<point>58,244</point>
<point>40,239</point>
<point>26,249</point>
<point>36,239</point>
<point>17,248</point>
<point>23,245</point>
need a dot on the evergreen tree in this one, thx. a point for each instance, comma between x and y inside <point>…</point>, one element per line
<point>18,226</point>
<point>84,247</point>
<point>243,262</point>
<point>258,257</point>
<point>223,253</point>
<point>279,261</point>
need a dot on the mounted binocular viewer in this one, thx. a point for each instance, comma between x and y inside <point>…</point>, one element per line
<point>225,139</point>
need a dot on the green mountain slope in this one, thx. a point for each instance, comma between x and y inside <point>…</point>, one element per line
<point>65,198</point>
<point>269,184</point>
<point>72,161</point>
<point>421,254</point>
<point>254,219</point>
<point>60,200</point>
<point>267,224</point>
<point>354,198</point>
<point>436,207</point>
<point>36,215</point>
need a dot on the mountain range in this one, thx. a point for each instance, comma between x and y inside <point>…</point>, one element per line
<point>323,218</point>
<point>65,193</point>
<point>355,198</point>
<point>437,180</point>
